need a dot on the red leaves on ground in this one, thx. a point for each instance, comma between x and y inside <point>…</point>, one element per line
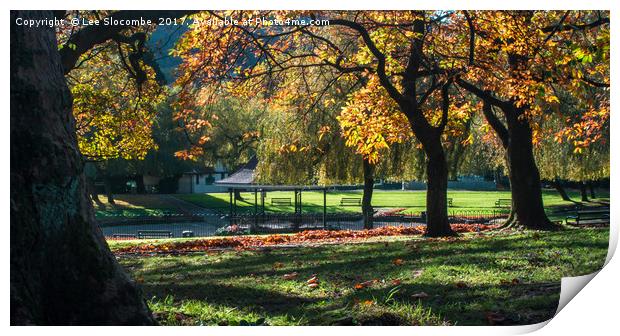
<point>314,236</point>
<point>313,282</point>
<point>364,284</point>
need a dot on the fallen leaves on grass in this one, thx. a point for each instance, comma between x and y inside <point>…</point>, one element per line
<point>364,284</point>
<point>314,236</point>
<point>313,280</point>
<point>290,276</point>
<point>398,262</point>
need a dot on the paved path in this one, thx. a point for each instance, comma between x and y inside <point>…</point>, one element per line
<point>185,207</point>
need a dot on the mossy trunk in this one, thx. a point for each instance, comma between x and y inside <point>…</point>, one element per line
<point>62,271</point>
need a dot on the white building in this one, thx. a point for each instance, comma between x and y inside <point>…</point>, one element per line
<point>199,181</point>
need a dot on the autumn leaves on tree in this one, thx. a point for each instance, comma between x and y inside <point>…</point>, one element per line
<point>415,76</point>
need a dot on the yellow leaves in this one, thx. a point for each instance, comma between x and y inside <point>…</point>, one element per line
<point>371,121</point>
<point>113,116</point>
<point>323,130</point>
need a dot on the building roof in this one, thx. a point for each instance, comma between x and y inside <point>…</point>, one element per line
<point>244,176</point>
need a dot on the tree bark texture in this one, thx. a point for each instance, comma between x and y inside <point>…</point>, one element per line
<point>62,271</point>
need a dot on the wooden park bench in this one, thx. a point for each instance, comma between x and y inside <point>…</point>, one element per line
<point>124,235</point>
<point>449,201</point>
<point>594,217</point>
<point>345,201</point>
<point>503,203</point>
<point>280,201</point>
<point>154,234</point>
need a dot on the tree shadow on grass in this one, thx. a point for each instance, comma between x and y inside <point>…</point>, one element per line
<point>226,280</point>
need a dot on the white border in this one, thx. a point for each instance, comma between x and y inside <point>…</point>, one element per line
<point>592,311</point>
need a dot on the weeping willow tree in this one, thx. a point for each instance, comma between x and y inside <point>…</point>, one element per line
<point>559,161</point>
<point>483,155</point>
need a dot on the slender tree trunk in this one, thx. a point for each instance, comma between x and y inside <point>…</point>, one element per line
<point>62,271</point>
<point>584,192</point>
<point>238,196</point>
<point>140,189</point>
<point>591,187</point>
<point>369,183</point>
<point>560,189</point>
<point>92,190</point>
<point>107,184</point>
<point>525,183</point>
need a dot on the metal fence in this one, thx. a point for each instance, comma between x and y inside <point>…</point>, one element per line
<point>166,225</point>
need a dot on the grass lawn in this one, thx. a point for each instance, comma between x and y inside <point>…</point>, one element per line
<point>133,205</point>
<point>411,201</point>
<point>502,278</point>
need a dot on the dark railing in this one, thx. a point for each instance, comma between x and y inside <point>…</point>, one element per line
<point>163,225</point>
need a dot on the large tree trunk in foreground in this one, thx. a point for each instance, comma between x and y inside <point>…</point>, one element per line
<point>525,183</point>
<point>369,183</point>
<point>560,189</point>
<point>62,271</point>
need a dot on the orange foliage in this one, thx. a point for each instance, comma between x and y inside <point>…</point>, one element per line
<point>316,236</point>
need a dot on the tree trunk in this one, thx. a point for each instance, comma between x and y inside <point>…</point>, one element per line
<point>92,190</point>
<point>62,271</point>
<point>369,183</point>
<point>437,224</point>
<point>140,189</point>
<point>560,189</point>
<point>525,183</point>
<point>107,185</point>
<point>238,196</point>
<point>584,192</point>
<point>591,187</point>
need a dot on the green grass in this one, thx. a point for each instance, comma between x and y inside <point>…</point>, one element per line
<point>247,287</point>
<point>411,201</point>
<point>128,205</point>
